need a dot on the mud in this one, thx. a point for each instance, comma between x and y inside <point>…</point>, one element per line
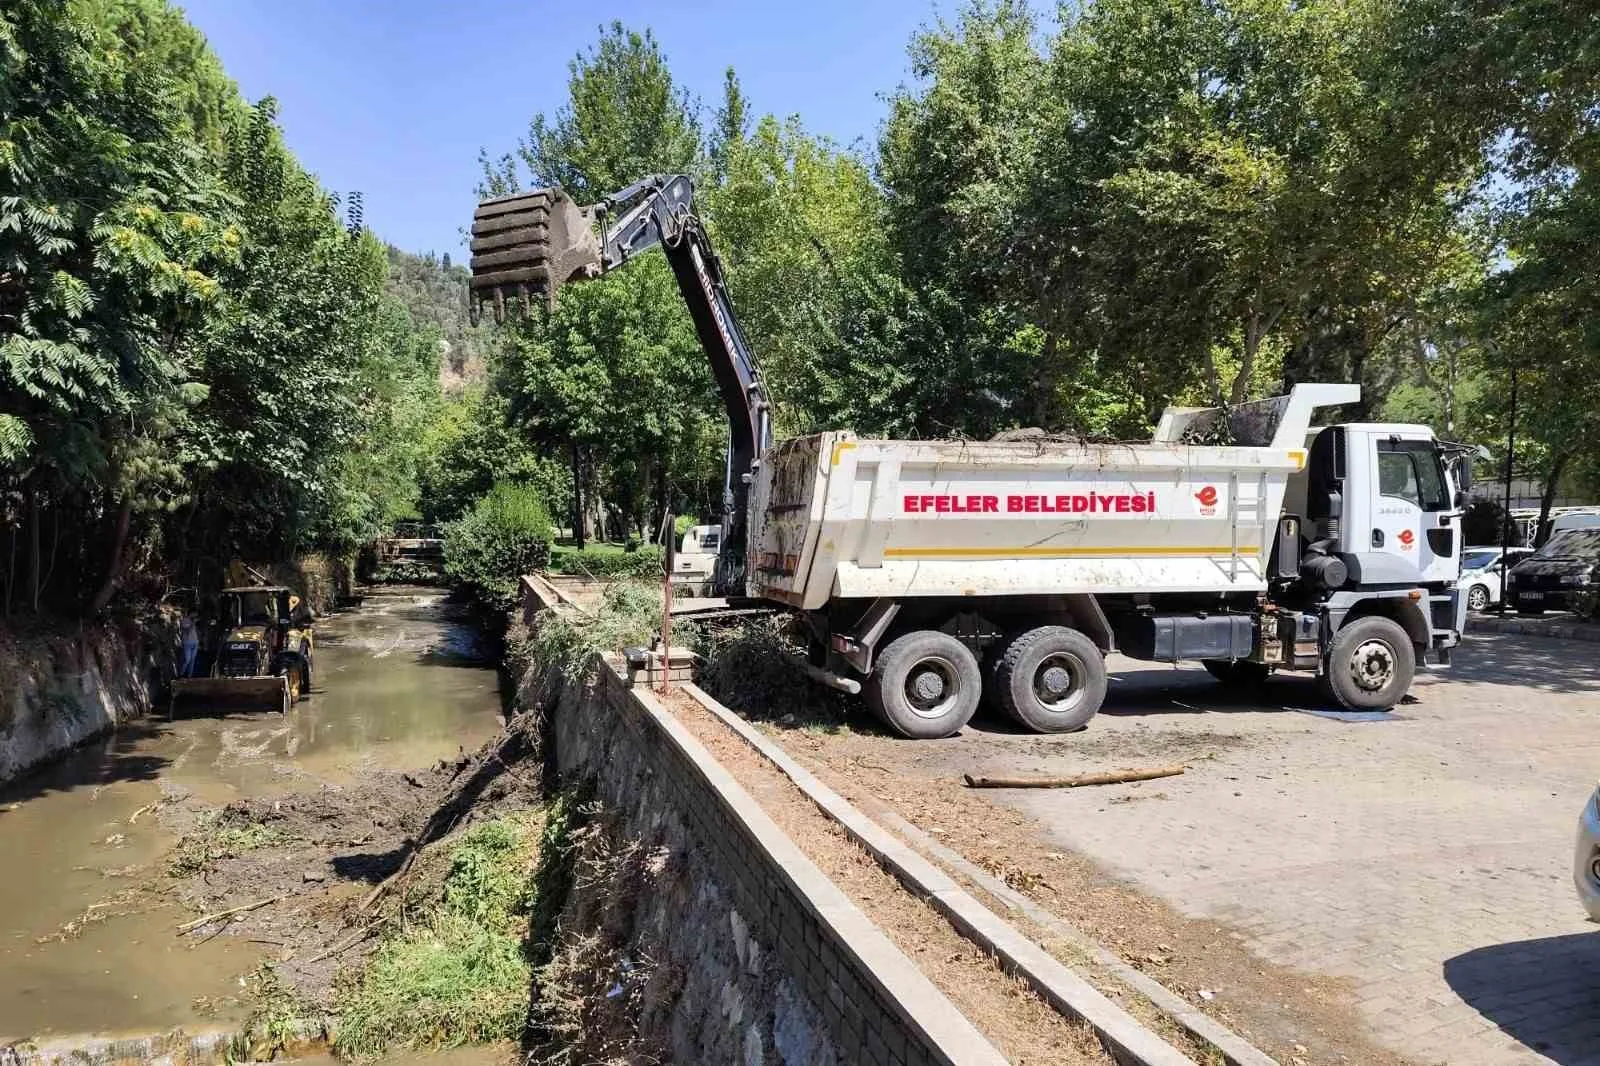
<point>90,943</point>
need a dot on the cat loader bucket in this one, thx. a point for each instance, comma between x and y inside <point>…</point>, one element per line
<point>265,692</point>
<point>529,244</point>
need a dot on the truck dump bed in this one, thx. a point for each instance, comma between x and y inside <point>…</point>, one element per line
<point>836,516</point>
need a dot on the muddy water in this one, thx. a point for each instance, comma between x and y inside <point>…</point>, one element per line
<point>84,948</point>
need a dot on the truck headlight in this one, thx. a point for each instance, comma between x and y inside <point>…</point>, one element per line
<point>1575,579</point>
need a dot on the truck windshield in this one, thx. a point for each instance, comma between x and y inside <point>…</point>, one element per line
<point>1573,544</point>
<point>1410,470</point>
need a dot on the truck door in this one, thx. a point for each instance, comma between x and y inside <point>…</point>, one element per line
<point>1412,516</point>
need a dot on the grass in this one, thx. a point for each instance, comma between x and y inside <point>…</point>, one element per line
<point>220,835</point>
<point>457,971</point>
<point>275,1014</point>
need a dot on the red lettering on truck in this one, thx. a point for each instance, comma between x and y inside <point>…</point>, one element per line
<point>972,503</point>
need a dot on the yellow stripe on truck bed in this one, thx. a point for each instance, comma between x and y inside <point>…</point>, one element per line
<point>1061,553</point>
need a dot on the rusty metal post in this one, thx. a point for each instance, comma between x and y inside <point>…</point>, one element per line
<point>667,561</point>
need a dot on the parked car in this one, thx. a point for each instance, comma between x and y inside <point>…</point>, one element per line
<point>1560,575</point>
<point>1586,866</point>
<point>1481,574</point>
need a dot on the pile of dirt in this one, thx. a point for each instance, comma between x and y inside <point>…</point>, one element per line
<point>316,876</point>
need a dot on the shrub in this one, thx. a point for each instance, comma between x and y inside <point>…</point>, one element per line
<point>505,535</point>
<point>645,561</point>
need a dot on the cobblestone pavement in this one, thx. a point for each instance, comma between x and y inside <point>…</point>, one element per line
<point>1425,859</point>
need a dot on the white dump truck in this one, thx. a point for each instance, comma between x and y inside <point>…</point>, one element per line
<point>933,573</point>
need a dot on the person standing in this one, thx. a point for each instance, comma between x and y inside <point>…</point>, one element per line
<point>189,639</point>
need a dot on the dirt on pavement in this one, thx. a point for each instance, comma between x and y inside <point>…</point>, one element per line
<point>1297,1018</point>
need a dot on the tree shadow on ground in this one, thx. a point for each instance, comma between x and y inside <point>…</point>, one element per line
<point>1544,993</point>
<point>1530,662</point>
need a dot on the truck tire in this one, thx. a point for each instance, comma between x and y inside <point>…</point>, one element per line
<point>925,685</point>
<point>1237,673</point>
<point>1370,665</point>
<point>1051,679</point>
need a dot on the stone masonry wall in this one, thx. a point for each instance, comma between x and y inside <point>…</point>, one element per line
<point>767,977</point>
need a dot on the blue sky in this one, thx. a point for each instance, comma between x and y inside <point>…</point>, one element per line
<point>395,98</point>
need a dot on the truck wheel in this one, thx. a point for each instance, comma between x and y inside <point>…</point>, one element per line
<point>925,685</point>
<point>1051,679</point>
<point>1370,665</point>
<point>1478,598</point>
<point>1237,673</point>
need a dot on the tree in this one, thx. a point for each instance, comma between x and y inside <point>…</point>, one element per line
<point>614,376</point>
<point>624,118</point>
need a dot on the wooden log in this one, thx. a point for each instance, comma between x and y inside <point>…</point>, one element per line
<point>187,927</point>
<point>1109,777</point>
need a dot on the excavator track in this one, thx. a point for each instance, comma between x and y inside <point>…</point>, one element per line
<point>529,244</point>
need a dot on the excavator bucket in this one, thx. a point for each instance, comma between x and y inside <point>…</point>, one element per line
<point>529,244</point>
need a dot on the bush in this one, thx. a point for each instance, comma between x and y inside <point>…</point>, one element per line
<point>505,535</point>
<point>607,561</point>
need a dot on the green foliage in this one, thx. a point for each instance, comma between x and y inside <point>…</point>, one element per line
<point>628,615</point>
<point>625,119</point>
<point>457,974</point>
<point>609,560</point>
<point>505,535</point>
<point>224,835</point>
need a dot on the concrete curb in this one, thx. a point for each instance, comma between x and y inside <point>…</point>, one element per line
<point>922,1007</point>
<point>1587,632</point>
<point>1236,1050</point>
<point>1122,1034</point>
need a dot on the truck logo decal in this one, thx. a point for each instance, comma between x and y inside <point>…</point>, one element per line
<point>1208,499</point>
<point>1406,538</point>
<point>1079,503</point>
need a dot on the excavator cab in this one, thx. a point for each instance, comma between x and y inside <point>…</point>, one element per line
<point>528,245</point>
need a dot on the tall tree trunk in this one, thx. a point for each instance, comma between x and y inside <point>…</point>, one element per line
<point>33,544</point>
<point>119,541</point>
<point>577,496</point>
<point>661,502</point>
<point>1552,478</point>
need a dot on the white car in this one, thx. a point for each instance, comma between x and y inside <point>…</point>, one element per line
<point>1481,574</point>
<point>1586,866</point>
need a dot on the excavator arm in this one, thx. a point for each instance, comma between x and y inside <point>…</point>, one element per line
<point>530,244</point>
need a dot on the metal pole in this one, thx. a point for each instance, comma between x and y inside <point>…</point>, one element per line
<point>1505,525</point>
<point>668,560</point>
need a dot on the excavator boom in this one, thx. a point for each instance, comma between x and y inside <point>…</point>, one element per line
<point>528,245</point>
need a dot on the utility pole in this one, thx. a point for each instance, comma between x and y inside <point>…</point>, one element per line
<point>1505,525</point>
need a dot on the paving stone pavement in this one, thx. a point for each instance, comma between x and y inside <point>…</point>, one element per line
<point>1425,859</point>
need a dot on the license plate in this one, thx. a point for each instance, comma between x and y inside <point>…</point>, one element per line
<point>1533,595</point>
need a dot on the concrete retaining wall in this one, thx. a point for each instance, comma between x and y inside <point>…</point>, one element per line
<point>57,692</point>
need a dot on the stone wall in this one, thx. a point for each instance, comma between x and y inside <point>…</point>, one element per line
<point>776,965</point>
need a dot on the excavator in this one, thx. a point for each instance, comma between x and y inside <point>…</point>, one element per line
<point>528,245</point>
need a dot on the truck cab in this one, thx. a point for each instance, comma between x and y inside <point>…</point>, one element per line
<point>1381,534</point>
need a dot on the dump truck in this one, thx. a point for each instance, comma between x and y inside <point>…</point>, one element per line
<point>263,643</point>
<point>932,575</point>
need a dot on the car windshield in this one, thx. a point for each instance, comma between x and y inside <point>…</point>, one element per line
<point>1478,560</point>
<point>1573,543</point>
